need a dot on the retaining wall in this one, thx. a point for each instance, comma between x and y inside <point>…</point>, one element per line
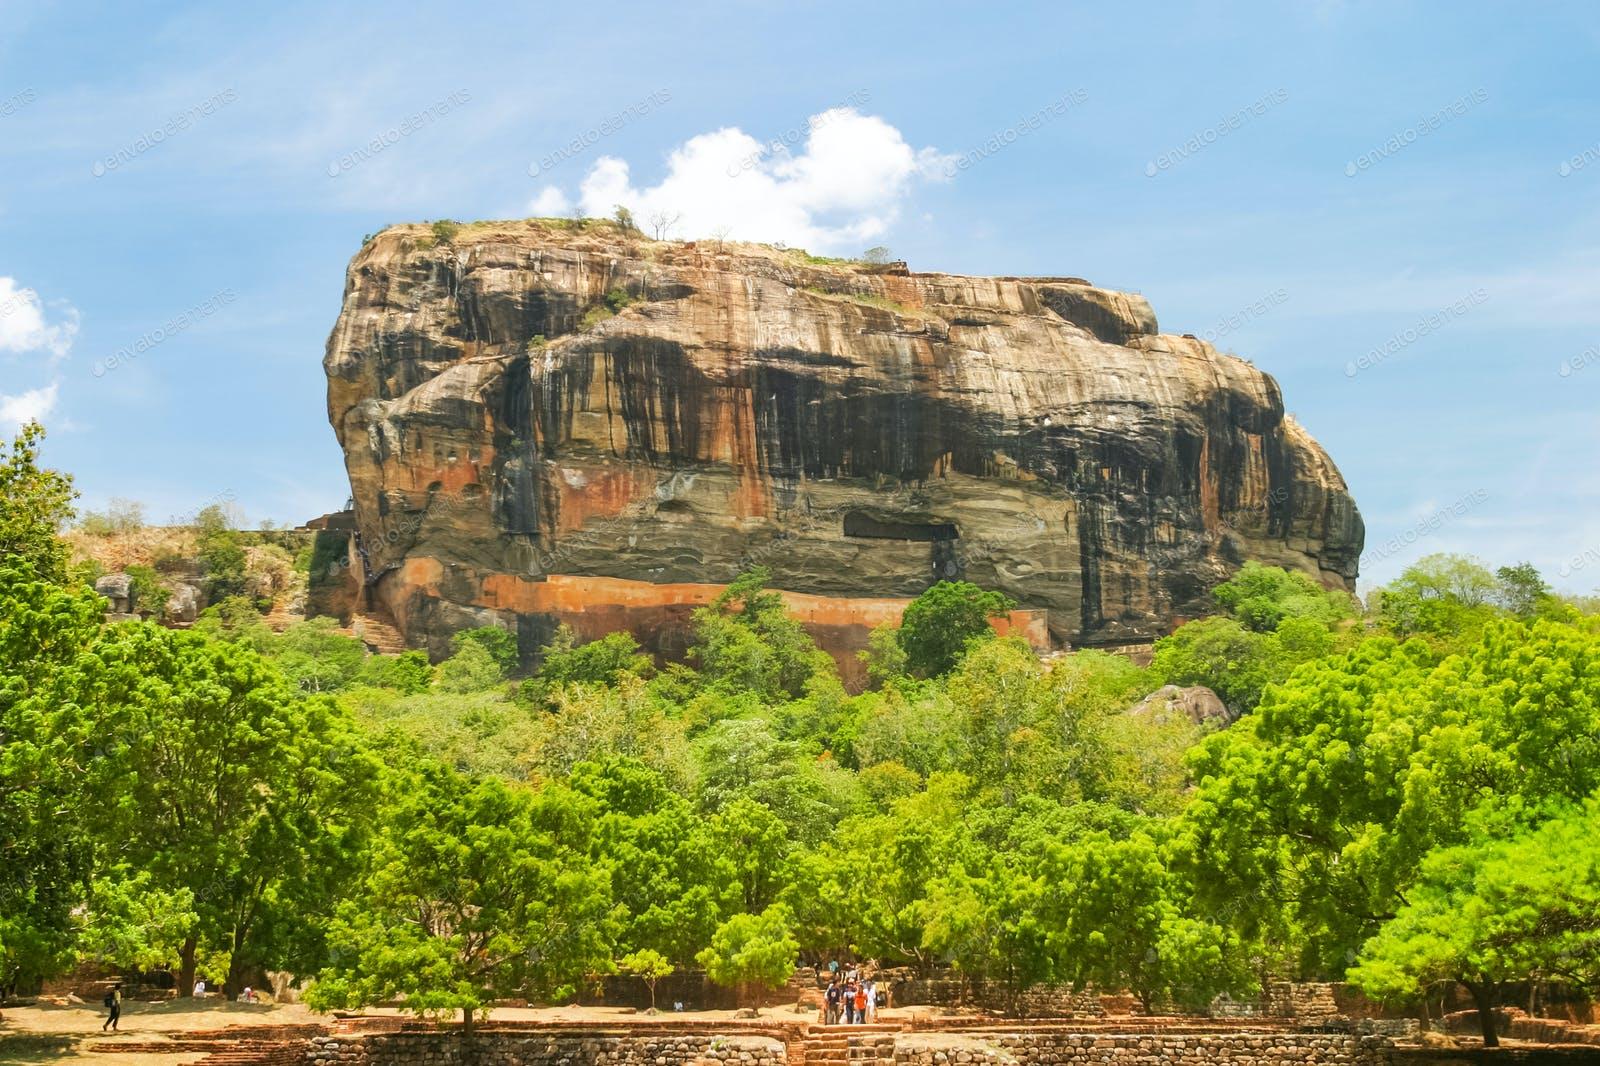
<point>510,1048</point>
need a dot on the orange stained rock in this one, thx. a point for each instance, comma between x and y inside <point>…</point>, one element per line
<point>569,595</point>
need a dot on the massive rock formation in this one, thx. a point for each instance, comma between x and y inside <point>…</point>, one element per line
<point>547,422</point>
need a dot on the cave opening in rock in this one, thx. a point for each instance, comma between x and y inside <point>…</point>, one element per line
<point>860,524</point>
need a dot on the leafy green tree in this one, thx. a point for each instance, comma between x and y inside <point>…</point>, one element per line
<point>566,662</point>
<point>1118,918</point>
<point>669,871</point>
<point>593,722</point>
<point>1521,591</point>
<point>316,657</point>
<point>46,739</point>
<point>408,673</point>
<point>221,551</point>
<point>217,780</point>
<point>501,644</point>
<point>236,619</point>
<point>757,842</point>
<point>746,640</point>
<point>866,887</point>
<point>1445,597</point>
<point>650,967</point>
<point>149,594</point>
<point>938,625</point>
<point>743,758</point>
<point>477,892</point>
<point>475,733</point>
<point>750,951</point>
<point>1262,597</point>
<point>1313,816</point>
<point>472,668</point>
<point>883,656</point>
<point>35,503</point>
<point>1236,662</point>
<point>1494,911</point>
<point>984,915</point>
<point>129,922</point>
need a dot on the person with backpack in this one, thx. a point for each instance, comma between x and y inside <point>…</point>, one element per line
<point>113,1003</point>
<point>831,1000</point>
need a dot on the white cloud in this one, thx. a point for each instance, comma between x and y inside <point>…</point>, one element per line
<point>24,326</point>
<point>843,188</point>
<point>550,203</point>
<point>33,405</point>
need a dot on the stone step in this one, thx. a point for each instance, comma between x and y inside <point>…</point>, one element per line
<point>378,635</point>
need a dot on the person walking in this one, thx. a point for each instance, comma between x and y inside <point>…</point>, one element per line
<point>871,987</point>
<point>114,1007</point>
<point>849,1003</point>
<point>861,1003</point>
<point>831,999</point>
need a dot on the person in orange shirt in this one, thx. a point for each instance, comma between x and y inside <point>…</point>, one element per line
<point>861,1003</point>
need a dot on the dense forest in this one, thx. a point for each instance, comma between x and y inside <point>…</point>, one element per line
<point>1408,796</point>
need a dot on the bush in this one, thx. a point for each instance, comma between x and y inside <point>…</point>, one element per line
<point>149,594</point>
<point>120,516</point>
<point>938,625</point>
<point>445,230</point>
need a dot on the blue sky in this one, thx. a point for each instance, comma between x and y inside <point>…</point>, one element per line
<point>1392,207</point>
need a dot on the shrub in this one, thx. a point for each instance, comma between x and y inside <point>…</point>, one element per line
<point>445,230</point>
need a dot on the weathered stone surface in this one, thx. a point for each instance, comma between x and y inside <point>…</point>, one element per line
<point>118,588</point>
<point>184,604</point>
<point>859,433</point>
<point>1196,703</point>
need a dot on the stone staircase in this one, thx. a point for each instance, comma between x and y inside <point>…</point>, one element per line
<point>378,635</point>
<point>841,1045</point>
<point>281,617</point>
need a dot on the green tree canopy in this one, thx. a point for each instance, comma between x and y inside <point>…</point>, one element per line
<point>938,625</point>
<point>477,892</point>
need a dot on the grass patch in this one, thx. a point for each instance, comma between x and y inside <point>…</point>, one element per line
<point>35,1048</point>
<point>870,299</point>
<point>823,260</point>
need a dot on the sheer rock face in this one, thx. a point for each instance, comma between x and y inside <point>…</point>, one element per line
<point>520,455</point>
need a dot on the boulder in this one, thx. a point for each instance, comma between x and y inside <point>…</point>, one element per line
<point>548,423</point>
<point>118,588</point>
<point>184,604</point>
<point>1196,703</point>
